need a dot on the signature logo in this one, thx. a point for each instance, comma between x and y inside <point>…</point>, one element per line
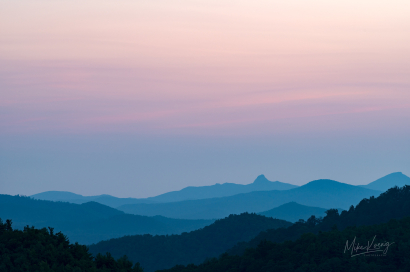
<point>371,249</point>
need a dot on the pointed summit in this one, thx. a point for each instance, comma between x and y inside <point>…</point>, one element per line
<point>261,183</point>
<point>261,179</point>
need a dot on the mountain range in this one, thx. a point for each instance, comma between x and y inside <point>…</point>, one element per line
<point>319,193</point>
<point>261,183</point>
<point>205,192</point>
<point>184,241</point>
<point>69,197</point>
<point>312,245</point>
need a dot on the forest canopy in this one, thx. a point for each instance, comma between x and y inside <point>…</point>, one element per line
<point>43,250</point>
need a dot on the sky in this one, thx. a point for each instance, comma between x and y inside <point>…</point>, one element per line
<point>138,98</point>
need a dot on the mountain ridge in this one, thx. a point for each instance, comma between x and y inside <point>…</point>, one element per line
<point>261,183</point>
<point>388,181</point>
<point>88,222</point>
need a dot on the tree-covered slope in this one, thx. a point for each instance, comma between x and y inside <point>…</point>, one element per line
<point>89,222</point>
<point>326,251</point>
<point>43,250</point>
<point>158,252</point>
<point>393,204</point>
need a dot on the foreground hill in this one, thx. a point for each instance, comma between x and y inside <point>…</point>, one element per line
<point>393,204</point>
<point>159,252</point>
<point>319,193</point>
<point>389,181</point>
<point>325,251</point>
<point>89,222</point>
<point>43,250</point>
<point>293,212</point>
<point>200,192</point>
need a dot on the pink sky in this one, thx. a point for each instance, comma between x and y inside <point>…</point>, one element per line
<point>73,66</point>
